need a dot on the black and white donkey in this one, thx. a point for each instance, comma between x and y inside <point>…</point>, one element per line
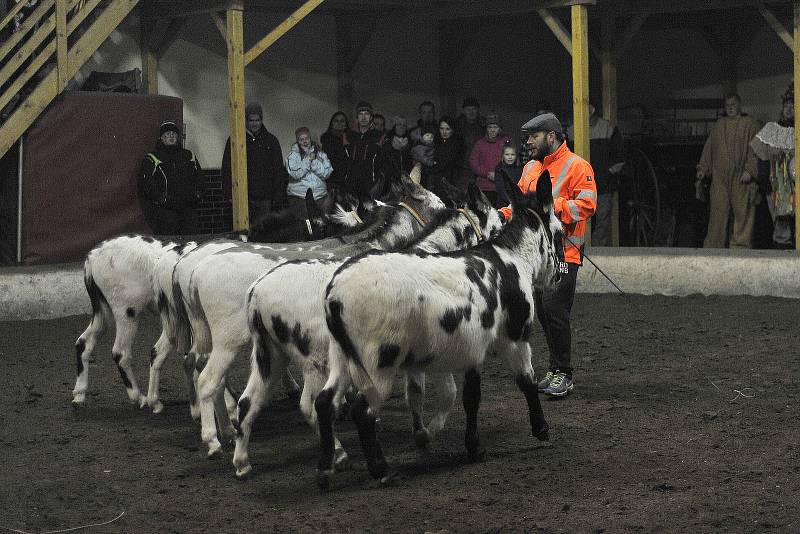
<point>420,312</point>
<point>286,314</point>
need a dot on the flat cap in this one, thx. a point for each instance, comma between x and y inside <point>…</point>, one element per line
<point>547,122</point>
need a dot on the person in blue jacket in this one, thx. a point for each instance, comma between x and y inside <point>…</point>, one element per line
<point>308,167</point>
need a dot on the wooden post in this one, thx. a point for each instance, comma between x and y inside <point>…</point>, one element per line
<point>609,62</point>
<point>290,22</point>
<point>580,87</point>
<point>797,124</point>
<point>235,37</point>
<point>61,44</point>
<point>149,58</point>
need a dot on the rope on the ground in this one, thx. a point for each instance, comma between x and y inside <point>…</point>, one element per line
<point>66,529</point>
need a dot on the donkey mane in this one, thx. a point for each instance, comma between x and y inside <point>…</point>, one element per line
<point>438,220</point>
<point>278,226</point>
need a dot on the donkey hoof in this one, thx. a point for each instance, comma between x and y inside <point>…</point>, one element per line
<point>390,479</point>
<point>477,454</point>
<point>79,400</point>
<point>543,433</point>
<point>158,407</point>
<point>243,472</point>
<point>324,479</point>
<point>214,450</point>
<point>422,438</point>
<point>341,462</point>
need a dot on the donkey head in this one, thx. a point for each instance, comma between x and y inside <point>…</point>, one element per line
<point>488,218</point>
<point>422,197</point>
<point>535,211</point>
<point>452,196</point>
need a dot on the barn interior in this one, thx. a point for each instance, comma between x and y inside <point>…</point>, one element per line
<point>86,82</point>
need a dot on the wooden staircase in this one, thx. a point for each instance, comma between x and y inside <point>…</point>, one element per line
<point>48,48</point>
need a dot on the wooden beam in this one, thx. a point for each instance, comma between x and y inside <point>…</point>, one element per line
<point>558,29</point>
<point>27,25</point>
<point>26,51</point>
<point>235,36</point>
<point>220,24</point>
<point>61,43</point>
<point>629,33</point>
<point>171,9</point>
<point>776,25</point>
<point>290,22</point>
<point>149,58</point>
<point>796,5</point>
<point>111,17</point>
<point>580,87</point>
<point>12,13</point>
<point>170,36</point>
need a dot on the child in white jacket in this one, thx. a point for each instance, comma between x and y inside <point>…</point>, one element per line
<point>309,167</point>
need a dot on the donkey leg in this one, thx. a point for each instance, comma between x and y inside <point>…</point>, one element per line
<point>224,423</point>
<point>209,384</point>
<point>415,398</point>
<point>83,353</point>
<point>122,352</point>
<point>260,385</point>
<point>189,364</point>
<point>471,397</point>
<point>446,396</point>
<point>337,383</point>
<point>313,382</point>
<point>519,358</point>
<point>365,422</point>
<point>160,352</point>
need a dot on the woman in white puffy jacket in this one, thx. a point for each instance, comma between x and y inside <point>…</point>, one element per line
<point>309,167</point>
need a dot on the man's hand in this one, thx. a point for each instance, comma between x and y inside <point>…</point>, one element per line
<point>490,175</point>
<point>700,173</point>
<point>745,177</point>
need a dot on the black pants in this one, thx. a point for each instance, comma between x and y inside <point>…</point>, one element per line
<point>553,309</point>
<point>164,221</point>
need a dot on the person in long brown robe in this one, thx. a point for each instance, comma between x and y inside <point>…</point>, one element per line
<point>731,163</point>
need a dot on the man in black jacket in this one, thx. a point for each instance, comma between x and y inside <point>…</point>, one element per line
<point>364,143</point>
<point>266,175</point>
<point>170,185</point>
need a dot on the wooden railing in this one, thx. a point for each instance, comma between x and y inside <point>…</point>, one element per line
<point>40,58</point>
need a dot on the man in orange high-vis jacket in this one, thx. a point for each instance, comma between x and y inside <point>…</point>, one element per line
<point>574,200</point>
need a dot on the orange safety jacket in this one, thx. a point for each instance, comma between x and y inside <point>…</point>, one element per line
<point>574,195</point>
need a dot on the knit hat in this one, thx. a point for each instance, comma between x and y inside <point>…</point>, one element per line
<point>253,108</point>
<point>492,118</point>
<point>470,101</point>
<point>546,122</point>
<point>363,106</point>
<point>168,126</point>
<point>300,131</point>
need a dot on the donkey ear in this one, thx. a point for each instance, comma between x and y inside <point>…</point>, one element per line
<point>451,194</point>
<point>544,190</point>
<point>512,190</point>
<point>474,197</point>
<point>416,173</point>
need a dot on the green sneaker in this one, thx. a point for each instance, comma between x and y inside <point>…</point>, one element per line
<point>559,386</point>
<point>544,383</point>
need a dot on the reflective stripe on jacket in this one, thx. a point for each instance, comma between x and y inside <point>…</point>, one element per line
<point>574,195</point>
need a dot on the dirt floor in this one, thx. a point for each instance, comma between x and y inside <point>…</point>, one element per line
<point>684,419</point>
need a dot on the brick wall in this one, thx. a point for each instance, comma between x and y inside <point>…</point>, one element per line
<point>216,214</point>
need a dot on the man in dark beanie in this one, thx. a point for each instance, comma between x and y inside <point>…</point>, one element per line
<point>266,175</point>
<point>574,202</point>
<point>363,146</point>
<point>170,185</point>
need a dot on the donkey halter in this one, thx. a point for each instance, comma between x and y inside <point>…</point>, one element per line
<point>308,227</point>
<point>414,213</point>
<point>475,227</point>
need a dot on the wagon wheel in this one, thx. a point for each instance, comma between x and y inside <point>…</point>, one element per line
<point>643,202</point>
